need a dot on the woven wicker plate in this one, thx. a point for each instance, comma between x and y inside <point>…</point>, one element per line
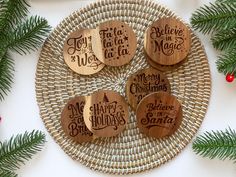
<point>131,151</point>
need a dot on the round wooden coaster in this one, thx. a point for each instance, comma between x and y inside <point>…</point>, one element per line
<point>159,114</point>
<point>72,120</point>
<point>167,41</point>
<point>114,43</point>
<point>164,67</point>
<point>78,53</point>
<point>105,113</point>
<point>144,82</point>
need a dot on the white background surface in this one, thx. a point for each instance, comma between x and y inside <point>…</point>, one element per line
<point>20,111</point>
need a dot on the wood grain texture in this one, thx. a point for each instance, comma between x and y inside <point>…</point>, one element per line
<point>167,41</point>
<point>144,82</point>
<point>106,113</point>
<point>164,67</point>
<point>159,114</point>
<point>114,43</point>
<point>72,120</point>
<point>78,53</point>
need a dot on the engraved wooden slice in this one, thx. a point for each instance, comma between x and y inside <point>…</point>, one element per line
<point>114,43</point>
<point>167,41</point>
<point>159,114</point>
<point>72,121</point>
<point>144,82</point>
<point>105,113</point>
<point>78,53</point>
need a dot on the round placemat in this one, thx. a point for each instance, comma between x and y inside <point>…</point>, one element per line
<point>131,151</point>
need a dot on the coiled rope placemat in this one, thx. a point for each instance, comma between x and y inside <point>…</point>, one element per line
<point>131,151</point>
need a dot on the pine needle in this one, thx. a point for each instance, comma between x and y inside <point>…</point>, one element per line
<point>6,75</point>
<point>29,35</point>
<point>224,40</point>
<point>19,149</point>
<point>216,144</point>
<point>7,174</point>
<point>226,1</point>
<point>227,62</point>
<point>12,12</point>
<point>213,17</point>
<point>18,34</point>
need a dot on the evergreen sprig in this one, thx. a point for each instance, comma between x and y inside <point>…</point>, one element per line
<point>216,144</point>
<point>227,62</point>
<point>214,17</point>
<point>219,20</point>
<point>7,174</point>
<point>19,149</point>
<point>18,34</point>
<point>12,12</point>
<point>28,35</point>
<point>225,1</point>
<point>224,40</point>
<point>6,76</point>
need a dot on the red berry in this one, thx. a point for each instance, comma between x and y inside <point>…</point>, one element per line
<point>229,77</point>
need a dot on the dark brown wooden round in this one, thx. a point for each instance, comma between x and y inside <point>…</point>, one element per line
<point>114,43</point>
<point>72,120</point>
<point>167,41</point>
<point>144,82</point>
<point>164,67</point>
<point>105,113</point>
<point>78,53</point>
<point>159,114</point>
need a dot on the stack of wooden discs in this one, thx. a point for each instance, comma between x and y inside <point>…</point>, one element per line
<point>101,114</point>
<point>131,151</point>
<point>112,43</point>
<point>105,113</point>
<point>167,43</point>
<point>87,51</point>
<point>158,112</point>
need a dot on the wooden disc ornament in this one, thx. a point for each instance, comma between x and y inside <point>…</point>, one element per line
<point>144,82</point>
<point>114,43</point>
<point>72,120</point>
<point>159,114</point>
<point>78,53</point>
<point>167,41</point>
<point>105,113</point>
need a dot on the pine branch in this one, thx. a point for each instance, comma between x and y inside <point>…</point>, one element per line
<point>6,75</point>
<point>3,42</point>
<point>29,35</point>
<point>216,144</point>
<point>224,40</point>
<point>227,62</point>
<point>17,34</point>
<point>7,174</point>
<point>213,17</point>
<point>19,149</point>
<point>226,1</point>
<point>11,13</point>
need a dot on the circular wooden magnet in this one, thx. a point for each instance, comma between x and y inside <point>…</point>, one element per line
<point>72,120</point>
<point>164,67</point>
<point>78,53</point>
<point>105,113</point>
<point>144,82</point>
<point>114,43</point>
<point>159,114</point>
<point>167,41</point>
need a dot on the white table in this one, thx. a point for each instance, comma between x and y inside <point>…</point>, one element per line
<point>20,111</point>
